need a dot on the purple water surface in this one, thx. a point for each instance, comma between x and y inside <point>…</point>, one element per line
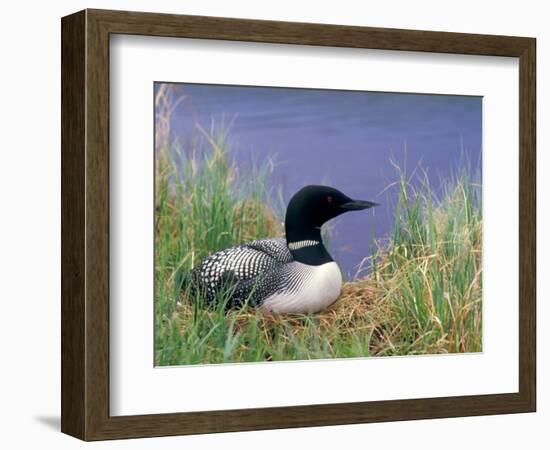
<point>344,139</point>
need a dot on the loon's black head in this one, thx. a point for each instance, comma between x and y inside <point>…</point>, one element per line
<point>311,207</point>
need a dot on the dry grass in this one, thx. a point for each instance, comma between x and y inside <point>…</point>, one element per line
<point>356,312</point>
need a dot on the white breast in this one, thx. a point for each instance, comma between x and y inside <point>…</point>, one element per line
<point>319,287</point>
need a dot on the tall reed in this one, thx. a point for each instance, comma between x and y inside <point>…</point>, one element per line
<point>429,277</point>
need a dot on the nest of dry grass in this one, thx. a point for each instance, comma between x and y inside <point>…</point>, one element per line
<point>358,311</point>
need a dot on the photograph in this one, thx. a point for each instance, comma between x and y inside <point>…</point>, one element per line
<point>297,224</point>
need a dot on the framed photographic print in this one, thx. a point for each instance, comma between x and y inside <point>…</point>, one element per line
<point>271,224</point>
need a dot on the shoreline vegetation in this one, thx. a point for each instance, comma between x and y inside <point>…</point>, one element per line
<point>422,293</point>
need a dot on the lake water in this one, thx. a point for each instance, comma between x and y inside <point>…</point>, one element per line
<point>344,139</point>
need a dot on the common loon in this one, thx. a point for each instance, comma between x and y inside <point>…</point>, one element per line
<point>292,275</point>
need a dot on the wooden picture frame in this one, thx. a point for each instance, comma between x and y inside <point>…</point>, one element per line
<point>85,224</point>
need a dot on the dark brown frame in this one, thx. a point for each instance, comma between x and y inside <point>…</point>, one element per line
<point>85,224</point>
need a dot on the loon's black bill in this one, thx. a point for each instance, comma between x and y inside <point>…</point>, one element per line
<point>356,205</point>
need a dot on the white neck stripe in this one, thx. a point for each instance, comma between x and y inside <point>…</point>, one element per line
<point>301,244</point>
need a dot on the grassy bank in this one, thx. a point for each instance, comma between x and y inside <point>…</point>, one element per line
<point>428,278</point>
<point>422,293</point>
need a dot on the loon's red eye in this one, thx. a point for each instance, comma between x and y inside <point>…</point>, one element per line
<point>329,199</point>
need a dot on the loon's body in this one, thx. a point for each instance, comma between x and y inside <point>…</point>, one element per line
<point>292,275</point>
